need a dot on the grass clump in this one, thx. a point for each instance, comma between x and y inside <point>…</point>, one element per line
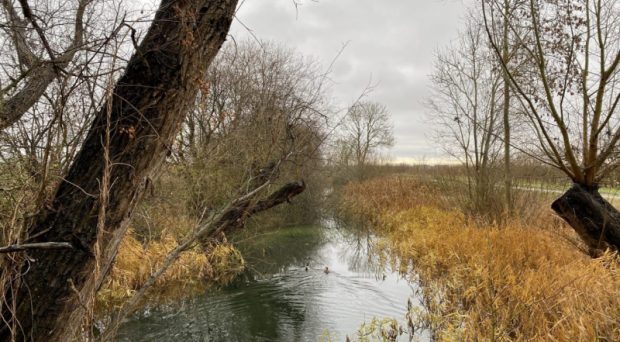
<point>192,272</point>
<point>386,329</point>
<point>517,282</point>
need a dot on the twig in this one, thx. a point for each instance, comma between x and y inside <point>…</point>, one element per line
<point>38,245</point>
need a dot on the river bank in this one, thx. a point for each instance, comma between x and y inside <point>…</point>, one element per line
<point>518,282</point>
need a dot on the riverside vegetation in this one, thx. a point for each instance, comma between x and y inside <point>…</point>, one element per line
<point>133,151</point>
<point>519,281</point>
<point>164,219</point>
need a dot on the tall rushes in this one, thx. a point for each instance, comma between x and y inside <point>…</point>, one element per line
<point>516,282</point>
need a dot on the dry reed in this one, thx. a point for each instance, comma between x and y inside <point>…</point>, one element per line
<point>192,272</point>
<point>512,283</point>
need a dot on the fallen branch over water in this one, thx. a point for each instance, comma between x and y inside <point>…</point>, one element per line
<point>228,219</point>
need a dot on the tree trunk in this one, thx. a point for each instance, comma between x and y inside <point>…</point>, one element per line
<point>595,220</point>
<point>149,103</point>
<point>506,113</point>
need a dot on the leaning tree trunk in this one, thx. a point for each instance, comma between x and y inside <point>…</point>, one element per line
<point>595,220</point>
<point>148,105</point>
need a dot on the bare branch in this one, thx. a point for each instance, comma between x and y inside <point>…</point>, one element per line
<point>40,245</point>
<point>40,73</point>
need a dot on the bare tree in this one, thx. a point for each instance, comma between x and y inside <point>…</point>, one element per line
<point>263,105</point>
<point>366,129</point>
<point>571,53</point>
<point>465,103</point>
<point>508,49</point>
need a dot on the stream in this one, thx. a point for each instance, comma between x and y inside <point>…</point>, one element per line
<point>286,293</point>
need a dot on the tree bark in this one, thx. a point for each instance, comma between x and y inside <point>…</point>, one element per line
<point>595,220</point>
<point>149,103</point>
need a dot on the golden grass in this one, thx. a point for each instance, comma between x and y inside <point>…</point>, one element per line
<point>193,271</point>
<point>155,231</point>
<point>521,283</point>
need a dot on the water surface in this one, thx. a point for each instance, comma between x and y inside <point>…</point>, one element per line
<point>286,295</point>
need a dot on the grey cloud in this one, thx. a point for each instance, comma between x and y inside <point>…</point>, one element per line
<point>392,40</point>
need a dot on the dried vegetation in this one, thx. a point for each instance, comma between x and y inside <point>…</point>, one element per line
<point>519,281</point>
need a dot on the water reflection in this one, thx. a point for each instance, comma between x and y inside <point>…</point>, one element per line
<point>279,300</point>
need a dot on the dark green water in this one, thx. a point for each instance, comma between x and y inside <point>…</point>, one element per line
<point>277,299</point>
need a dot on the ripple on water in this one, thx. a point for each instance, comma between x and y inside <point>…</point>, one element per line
<point>289,305</point>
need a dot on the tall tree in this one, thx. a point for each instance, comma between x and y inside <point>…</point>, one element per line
<point>465,103</point>
<point>506,109</point>
<point>367,127</point>
<point>501,30</point>
<point>571,53</point>
<point>130,136</point>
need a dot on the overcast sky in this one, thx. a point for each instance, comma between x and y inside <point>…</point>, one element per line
<point>391,41</point>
